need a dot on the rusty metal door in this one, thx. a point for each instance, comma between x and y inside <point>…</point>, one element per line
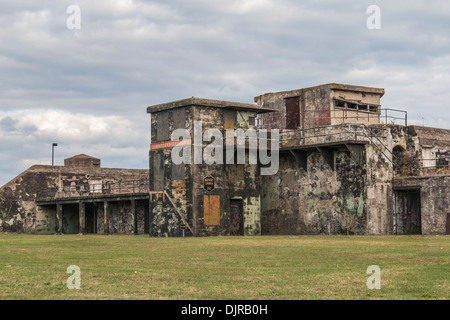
<point>407,212</point>
<point>292,112</point>
<point>236,218</point>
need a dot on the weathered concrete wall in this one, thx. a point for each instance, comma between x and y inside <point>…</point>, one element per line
<point>317,107</point>
<point>232,181</point>
<point>434,200</point>
<point>174,181</point>
<point>370,100</point>
<point>352,196</point>
<point>280,199</point>
<point>187,192</point>
<point>320,200</point>
<point>313,104</point>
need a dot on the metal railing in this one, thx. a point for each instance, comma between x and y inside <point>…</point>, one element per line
<point>441,166</point>
<point>345,115</point>
<point>387,118</point>
<point>96,189</point>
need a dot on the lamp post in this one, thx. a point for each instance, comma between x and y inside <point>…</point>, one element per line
<point>53,153</point>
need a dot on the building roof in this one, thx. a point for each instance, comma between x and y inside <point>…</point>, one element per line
<point>207,103</point>
<point>81,156</point>
<point>331,86</point>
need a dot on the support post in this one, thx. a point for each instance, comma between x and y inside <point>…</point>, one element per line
<point>81,216</point>
<point>133,216</point>
<point>106,217</point>
<point>58,218</point>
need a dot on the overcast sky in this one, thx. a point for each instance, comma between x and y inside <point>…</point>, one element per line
<point>87,89</point>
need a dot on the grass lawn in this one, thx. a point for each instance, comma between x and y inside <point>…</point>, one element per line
<point>217,268</point>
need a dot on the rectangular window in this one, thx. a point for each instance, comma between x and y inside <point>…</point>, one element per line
<point>355,105</point>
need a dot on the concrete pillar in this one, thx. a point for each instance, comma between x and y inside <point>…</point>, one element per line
<point>58,218</point>
<point>106,216</point>
<point>81,216</point>
<point>133,216</point>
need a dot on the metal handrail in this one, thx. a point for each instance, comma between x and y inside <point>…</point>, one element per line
<point>96,189</point>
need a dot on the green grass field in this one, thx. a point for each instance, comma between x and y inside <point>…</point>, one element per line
<point>217,268</point>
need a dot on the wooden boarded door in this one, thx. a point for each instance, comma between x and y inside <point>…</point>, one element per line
<point>211,213</point>
<point>292,112</point>
<point>236,218</point>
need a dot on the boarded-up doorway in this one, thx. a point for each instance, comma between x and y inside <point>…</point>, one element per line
<point>236,217</point>
<point>407,214</point>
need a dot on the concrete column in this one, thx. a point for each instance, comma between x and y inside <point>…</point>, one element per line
<point>106,216</point>
<point>81,216</point>
<point>133,215</point>
<point>58,218</point>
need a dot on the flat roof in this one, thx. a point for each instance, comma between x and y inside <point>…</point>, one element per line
<point>208,103</point>
<point>332,86</point>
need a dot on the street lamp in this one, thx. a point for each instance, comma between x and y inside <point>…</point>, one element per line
<point>53,152</point>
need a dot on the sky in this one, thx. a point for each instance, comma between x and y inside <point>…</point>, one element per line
<point>83,77</point>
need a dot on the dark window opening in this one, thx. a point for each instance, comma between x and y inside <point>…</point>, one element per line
<point>339,104</point>
<point>355,105</point>
<point>363,107</point>
<point>373,108</point>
